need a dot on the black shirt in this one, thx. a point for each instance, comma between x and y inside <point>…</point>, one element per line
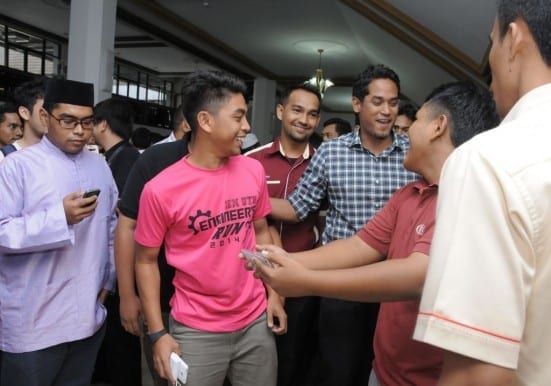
<point>149,164</point>
<point>121,158</point>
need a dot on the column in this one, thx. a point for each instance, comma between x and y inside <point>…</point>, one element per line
<point>91,44</point>
<point>263,121</point>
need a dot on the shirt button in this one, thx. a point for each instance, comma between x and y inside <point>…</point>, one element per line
<point>376,181</point>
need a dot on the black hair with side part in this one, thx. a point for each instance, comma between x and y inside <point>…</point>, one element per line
<point>360,88</point>
<point>7,108</point>
<point>469,107</point>
<point>408,108</point>
<point>536,14</point>
<point>302,86</point>
<point>118,114</point>
<point>341,126</point>
<point>26,94</point>
<point>206,91</point>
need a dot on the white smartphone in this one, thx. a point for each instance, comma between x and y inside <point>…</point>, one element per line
<point>251,256</point>
<point>179,369</point>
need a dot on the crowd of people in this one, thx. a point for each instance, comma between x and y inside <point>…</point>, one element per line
<point>409,249</point>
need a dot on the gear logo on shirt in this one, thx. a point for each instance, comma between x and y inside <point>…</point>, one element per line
<point>194,219</point>
<point>420,229</point>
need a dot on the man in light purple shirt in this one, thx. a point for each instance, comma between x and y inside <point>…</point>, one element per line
<point>56,247</point>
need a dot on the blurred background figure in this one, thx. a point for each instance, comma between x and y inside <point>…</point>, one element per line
<point>334,127</point>
<point>141,138</point>
<point>406,116</point>
<point>10,126</point>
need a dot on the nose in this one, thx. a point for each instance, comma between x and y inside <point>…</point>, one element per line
<point>19,131</point>
<point>385,108</point>
<point>246,126</point>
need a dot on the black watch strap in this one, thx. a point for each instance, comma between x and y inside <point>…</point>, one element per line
<point>155,336</point>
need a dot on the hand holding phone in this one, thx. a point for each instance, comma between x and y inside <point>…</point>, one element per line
<point>251,256</point>
<point>91,192</point>
<point>179,369</point>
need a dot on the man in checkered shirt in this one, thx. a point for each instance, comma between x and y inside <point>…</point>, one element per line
<point>357,173</point>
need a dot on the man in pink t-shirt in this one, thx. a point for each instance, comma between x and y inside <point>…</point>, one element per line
<point>386,261</point>
<point>206,208</point>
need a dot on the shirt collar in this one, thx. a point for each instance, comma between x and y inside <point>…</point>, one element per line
<point>398,141</point>
<point>529,101</point>
<point>276,147</point>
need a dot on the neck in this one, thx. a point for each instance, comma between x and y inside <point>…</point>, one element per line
<point>434,163</point>
<point>29,138</point>
<point>374,144</point>
<point>204,157</point>
<point>292,148</point>
<point>110,141</point>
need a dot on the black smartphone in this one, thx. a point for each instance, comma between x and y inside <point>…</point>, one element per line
<point>91,192</point>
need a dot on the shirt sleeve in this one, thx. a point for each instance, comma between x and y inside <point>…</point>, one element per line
<point>33,230</point>
<point>112,278</point>
<point>130,196</point>
<point>377,232</point>
<point>312,186</point>
<point>481,263</point>
<point>153,219</point>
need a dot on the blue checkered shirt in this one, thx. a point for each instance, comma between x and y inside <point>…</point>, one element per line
<point>356,183</point>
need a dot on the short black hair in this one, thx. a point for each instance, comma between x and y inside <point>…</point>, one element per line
<point>206,90</point>
<point>360,88</point>
<point>301,86</point>
<point>408,108</point>
<point>141,137</point>
<point>536,14</point>
<point>7,107</point>
<point>469,107</point>
<point>26,94</point>
<point>118,114</point>
<point>341,126</point>
<point>177,117</point>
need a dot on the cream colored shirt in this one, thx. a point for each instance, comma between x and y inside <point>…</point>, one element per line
<point>487,293</point>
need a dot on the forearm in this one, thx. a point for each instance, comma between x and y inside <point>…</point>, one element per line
<point>148,280</point>
<point>125,249</point>
<point>339,254</point>
<point>282,210</point>
<point>386,281</point>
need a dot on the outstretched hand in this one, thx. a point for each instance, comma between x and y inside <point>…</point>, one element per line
<point>288,278</point>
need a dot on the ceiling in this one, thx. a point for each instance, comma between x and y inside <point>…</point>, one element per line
<point>427,42</point>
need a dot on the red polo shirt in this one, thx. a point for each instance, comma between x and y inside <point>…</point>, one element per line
<point>405,225</point>
<point>282,176</point>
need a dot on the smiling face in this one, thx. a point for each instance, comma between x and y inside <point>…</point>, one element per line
<point>229,125</point>
<point>419,138</point>
<point>68,140</point>
<point>378,109</point>
<point>299,115</point>
<point>402,124</point>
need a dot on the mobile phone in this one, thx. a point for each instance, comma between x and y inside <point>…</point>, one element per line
<point>179,369</point>
<point>91,192</point>
<point>251,256</point>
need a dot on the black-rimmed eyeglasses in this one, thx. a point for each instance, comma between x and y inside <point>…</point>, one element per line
<point>70,123</point>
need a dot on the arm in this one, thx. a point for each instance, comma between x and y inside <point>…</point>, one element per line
<point>282,210</point>
<point>339,254</point>
<point>148,278</point>
<point>125,249</point>
<point>275,302</point>
<point>460,370</point>
<point>389,280</point>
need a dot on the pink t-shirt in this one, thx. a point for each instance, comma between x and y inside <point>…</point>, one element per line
<point>205,218</point>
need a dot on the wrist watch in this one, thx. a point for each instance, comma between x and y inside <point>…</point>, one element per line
<point>155,336</point>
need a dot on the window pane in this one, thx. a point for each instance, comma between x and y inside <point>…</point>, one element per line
<point>132,90</point>
<point>2,55</point>
<point>34,64</point>
<point>16,59</point>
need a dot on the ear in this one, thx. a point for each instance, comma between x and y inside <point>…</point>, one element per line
<point>279,111</point>
<point>441,127</point>
<point>102,126</point>
<point>356,104</point>
<point>519,37</point>
<point>204,121</point>
<point>24,113</point>
<point>43,115</point>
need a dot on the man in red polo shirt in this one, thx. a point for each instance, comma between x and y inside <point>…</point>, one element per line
<point>387,260</point>
<point>284,160</point>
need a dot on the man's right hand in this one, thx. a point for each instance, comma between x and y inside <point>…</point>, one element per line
<point>78,208</point>
<point>131,311</point>
<point>161,356</point>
